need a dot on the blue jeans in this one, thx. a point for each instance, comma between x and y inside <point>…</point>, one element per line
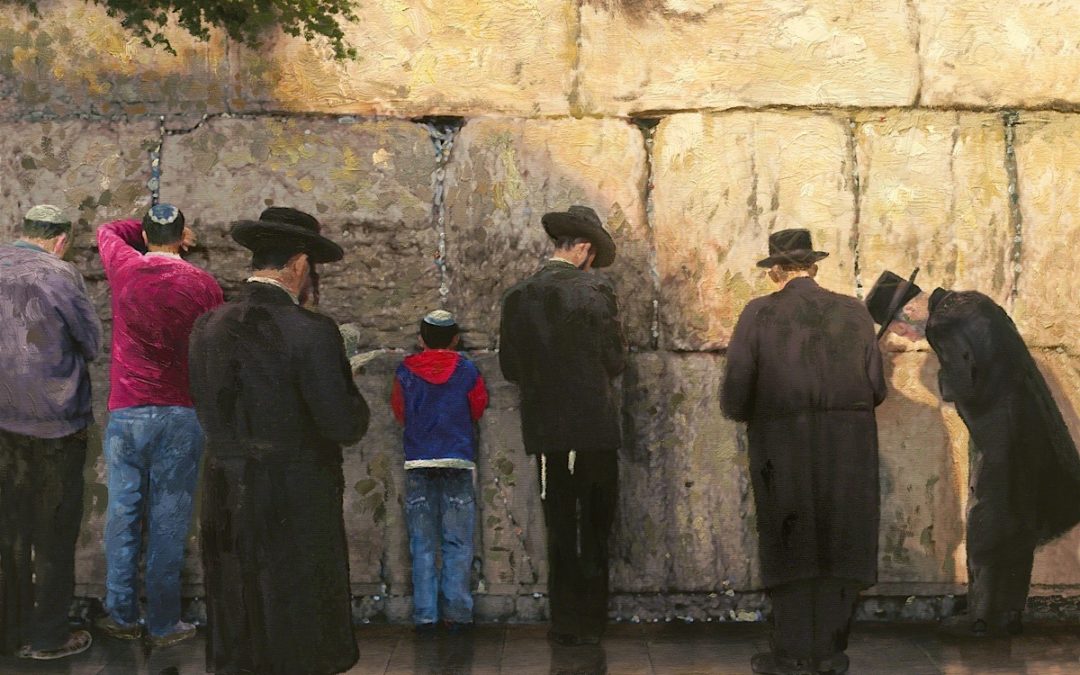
<point>152,454</point>
<point>440,510</point>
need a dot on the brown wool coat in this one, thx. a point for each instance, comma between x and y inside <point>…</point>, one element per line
<point>805,373</point>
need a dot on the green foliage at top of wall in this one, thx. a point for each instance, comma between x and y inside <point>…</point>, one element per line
<point>245,21</point>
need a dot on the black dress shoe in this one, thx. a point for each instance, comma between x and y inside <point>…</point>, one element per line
<point>837,664</point>
<point>767,663</point>
<point>571,639</point>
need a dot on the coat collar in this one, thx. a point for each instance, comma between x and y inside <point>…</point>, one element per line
<point>267,294</point>
<point>559,264</point>
<point>276,284</point>
<point>799,283</point>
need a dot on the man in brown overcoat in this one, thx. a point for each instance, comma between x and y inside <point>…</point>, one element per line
<point>805,373</point>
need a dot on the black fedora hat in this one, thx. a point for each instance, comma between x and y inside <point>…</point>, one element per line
<point>889,293</point>
<point>791,246</point>
<point>282,228</point>
<point>581,221</point>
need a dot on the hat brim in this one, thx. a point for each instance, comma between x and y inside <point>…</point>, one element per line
<point>261,235</point>
<point>790,257</point>
<point>562,224</point>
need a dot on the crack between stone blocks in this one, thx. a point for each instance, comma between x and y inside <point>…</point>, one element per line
<point>915,22</point>
<point>648,134</point>
<point>856,196</point>
<point>1009,120</point>
<point>442,131</point>
<point>154,183</point>
<point>574,96</point>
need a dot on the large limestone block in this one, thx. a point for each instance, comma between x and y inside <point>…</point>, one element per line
<point>1049,186</point>
<point>511,544</point>
<point>722,183</point>
<point>76,59</point>
<point>999,53</point>
<point>95,171</point>
<point>504,174</point>
<point>923,454</point>
<point>458,57</point>
<point>369,183</point>
<point>934,194</point>
<point>1058,563</point>
<point>685,518</point>
<point>374,480</point>
<point>647,55</point>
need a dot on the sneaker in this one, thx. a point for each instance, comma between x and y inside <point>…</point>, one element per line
<point>182,633</point>
<point>78,642</point>
<point>120,631</point>
<point>428,628</point>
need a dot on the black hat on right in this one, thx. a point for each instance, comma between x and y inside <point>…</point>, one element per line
<point>889,294</point>
<point>279,228</point>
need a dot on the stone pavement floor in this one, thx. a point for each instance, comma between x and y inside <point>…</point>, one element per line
<point>628,649</point>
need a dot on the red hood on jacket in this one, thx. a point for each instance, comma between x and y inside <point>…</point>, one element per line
<point>433,365</point>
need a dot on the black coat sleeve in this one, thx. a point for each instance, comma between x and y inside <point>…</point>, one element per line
<point>875,369</point>
<point>327,387</point>
<point>509,360</point>
<point>740,374</point>
<point>609,328</point>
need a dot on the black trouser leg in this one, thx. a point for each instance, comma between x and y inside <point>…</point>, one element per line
<point>579,510</point>
<point>812,618</point>
<point>58,508</point>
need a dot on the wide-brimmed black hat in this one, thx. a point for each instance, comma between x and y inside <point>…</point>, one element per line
<point>280,228</point>
<point>581,221</point>
<point>791,247</point>
<point>889,293</point>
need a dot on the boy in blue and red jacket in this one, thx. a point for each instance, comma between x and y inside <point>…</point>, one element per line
<point>438,396</point>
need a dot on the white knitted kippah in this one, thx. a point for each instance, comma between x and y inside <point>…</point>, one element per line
<point>439,317</point>
<point>47,213</point>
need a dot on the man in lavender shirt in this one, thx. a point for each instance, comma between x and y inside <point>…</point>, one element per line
<point>48,332</point>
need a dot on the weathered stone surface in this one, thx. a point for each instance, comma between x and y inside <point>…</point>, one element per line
<point>95,171</point>
<point>685,516</point>
<point>923,454</point>
<point>76,59</point>
<point>999,53</point>
<point>504,174</point>
<point>458,57</point>
<point>1058,563</point>
<point>1049,187</point>
<point>369,183</point>
<point>642,55</point>
<point>722,184</point>
<point>510,520</point>
<point>934,194</point>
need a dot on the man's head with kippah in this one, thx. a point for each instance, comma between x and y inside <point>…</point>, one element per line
<point>45,221</point>
<point>163,225</point>
<point>46,226</point>
<point>438,329</point>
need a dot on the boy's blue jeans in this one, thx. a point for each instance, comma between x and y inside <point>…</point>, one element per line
<point>440,509</point>
<point>152,454</point>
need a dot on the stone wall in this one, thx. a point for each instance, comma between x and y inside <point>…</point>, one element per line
<point>901,132</point>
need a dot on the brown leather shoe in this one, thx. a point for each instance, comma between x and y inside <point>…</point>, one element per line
<point>183,633</point>
<point>120,631</point>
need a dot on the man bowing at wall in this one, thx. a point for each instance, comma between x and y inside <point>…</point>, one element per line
<point>276,397</point>
<point>1025,473</point>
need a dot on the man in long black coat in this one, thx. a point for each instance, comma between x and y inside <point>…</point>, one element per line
<point>276,398</point>
<point>560,340</point>
<point>804,372</point>
<point>1025,472</point>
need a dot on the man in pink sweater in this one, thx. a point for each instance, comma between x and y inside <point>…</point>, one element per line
<point>153,442</point>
